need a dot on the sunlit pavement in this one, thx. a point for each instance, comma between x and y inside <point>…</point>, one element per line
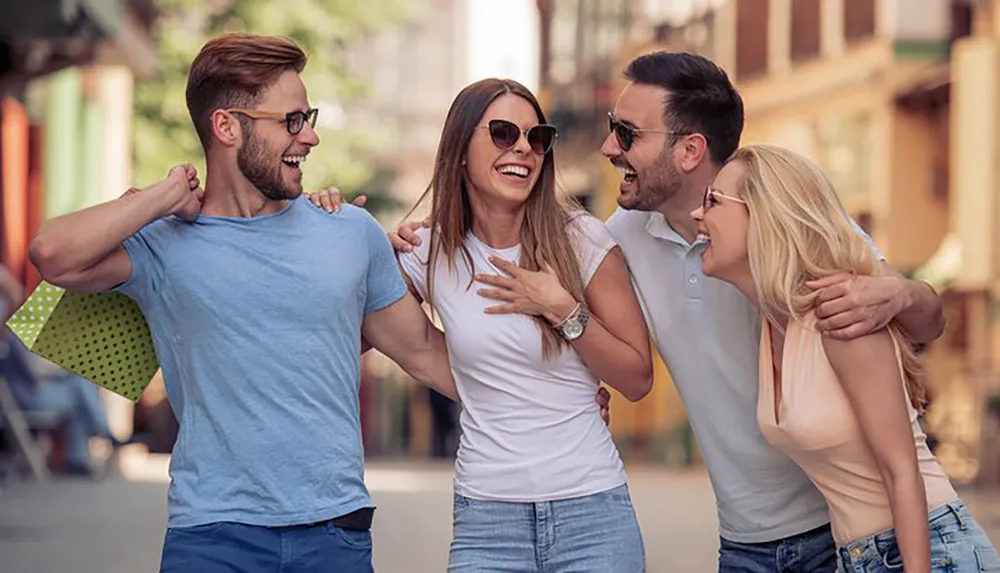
<point>116,525</point>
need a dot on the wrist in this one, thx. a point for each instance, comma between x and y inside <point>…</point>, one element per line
<point>169,196</point>
<point>560,311</point>
<point>908,295</point>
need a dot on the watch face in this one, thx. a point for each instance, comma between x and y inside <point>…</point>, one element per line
<point>573,329</point>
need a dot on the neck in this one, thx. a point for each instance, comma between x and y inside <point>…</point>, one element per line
<point>496,225</point>
<point>742,279</point>
<point>229,194</point>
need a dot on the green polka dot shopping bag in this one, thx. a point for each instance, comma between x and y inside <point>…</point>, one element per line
<point>102,337</point>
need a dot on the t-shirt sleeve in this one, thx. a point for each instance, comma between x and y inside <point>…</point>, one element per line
<point>142,249</point>
<point>414,263</point>
<point>864,235</point>
<point>593,241</point>
<point>383,284</point>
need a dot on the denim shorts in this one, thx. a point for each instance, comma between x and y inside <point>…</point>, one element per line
<point>958,545</point>
<point>597,533</point>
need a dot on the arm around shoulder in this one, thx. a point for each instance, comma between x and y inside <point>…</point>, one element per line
<point>403,332</point>
<point>922,314</point>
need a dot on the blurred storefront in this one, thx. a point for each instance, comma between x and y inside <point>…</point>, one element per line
<point>66,73</point>
<point>968,262</point>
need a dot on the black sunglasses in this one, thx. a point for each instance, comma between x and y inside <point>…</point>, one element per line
<point>294,120</point>
<point>505,135</point>
<point>626,134</point>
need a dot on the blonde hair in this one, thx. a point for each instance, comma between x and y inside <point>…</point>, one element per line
<point>799,231</point>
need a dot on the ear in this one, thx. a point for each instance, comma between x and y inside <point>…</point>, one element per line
<point>226,128</point>
<point>692,152</point>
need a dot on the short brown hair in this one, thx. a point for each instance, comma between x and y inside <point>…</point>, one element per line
<point>232,71</point>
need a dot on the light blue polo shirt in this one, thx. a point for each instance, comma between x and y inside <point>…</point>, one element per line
<point>708,334</point>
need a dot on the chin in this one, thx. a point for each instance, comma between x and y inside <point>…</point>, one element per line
<point>708,269</point>
<point>515,197</point>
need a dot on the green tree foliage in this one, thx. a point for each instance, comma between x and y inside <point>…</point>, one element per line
<point>163,133</point>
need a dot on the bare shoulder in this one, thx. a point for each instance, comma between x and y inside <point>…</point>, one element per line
<point>858,354</point>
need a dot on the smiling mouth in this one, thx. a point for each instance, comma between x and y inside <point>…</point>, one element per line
<point>628,172</point>
<point>293,161</point>
<point>704,237</point>
<point>519,171</point>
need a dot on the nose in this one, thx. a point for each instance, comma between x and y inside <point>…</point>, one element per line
<point>610,147</point>
<point>522,147</point>
<point>698,214</point>
<point>308,136</point>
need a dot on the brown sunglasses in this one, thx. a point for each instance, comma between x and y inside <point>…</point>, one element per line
<point>505,135</point>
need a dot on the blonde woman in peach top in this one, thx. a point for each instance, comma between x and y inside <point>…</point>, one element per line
<point>845,410</point>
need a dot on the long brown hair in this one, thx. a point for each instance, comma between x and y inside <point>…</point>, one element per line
<point>546,214</point>
<point>799,231</point>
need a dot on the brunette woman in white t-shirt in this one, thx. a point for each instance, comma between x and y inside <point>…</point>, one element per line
<point>537,306</point>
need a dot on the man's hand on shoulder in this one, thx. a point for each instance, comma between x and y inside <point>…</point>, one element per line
<point>183,181</point>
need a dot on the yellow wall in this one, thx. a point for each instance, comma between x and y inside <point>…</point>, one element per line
<point>916,221</point>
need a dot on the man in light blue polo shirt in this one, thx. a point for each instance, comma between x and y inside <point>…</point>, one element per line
<point>672,128</point>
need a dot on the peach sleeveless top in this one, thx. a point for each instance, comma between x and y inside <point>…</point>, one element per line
<point>816,426</point>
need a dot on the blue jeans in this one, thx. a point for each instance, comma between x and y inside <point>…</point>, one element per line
<point>810,552</point>
<point>958,545</point>
<point>597,533</point>
<point>226,547</point>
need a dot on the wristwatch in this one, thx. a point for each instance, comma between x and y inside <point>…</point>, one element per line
<point>572,327</point>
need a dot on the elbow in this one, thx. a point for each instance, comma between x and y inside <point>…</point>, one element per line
<point>931,330</point>
<point>639,387</point>
<point>44,254</point>
<point>939,324</point>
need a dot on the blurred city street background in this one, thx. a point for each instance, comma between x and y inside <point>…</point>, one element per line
<point>898,100</point>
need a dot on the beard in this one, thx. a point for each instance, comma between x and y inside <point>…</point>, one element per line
<point>254,161</point>
<point>653,186</point>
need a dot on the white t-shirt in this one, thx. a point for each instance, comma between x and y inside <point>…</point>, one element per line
<point>531,428</point>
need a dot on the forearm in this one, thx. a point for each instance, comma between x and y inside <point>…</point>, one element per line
<point>429,364</point>
<point>78,241</point>
<point>908,501</point>
<point>611,359</point>
<point>923,316</point>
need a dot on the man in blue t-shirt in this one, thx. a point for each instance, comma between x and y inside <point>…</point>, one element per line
<point>255,301</point>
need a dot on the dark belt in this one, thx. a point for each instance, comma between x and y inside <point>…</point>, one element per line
<point>360,519</point>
